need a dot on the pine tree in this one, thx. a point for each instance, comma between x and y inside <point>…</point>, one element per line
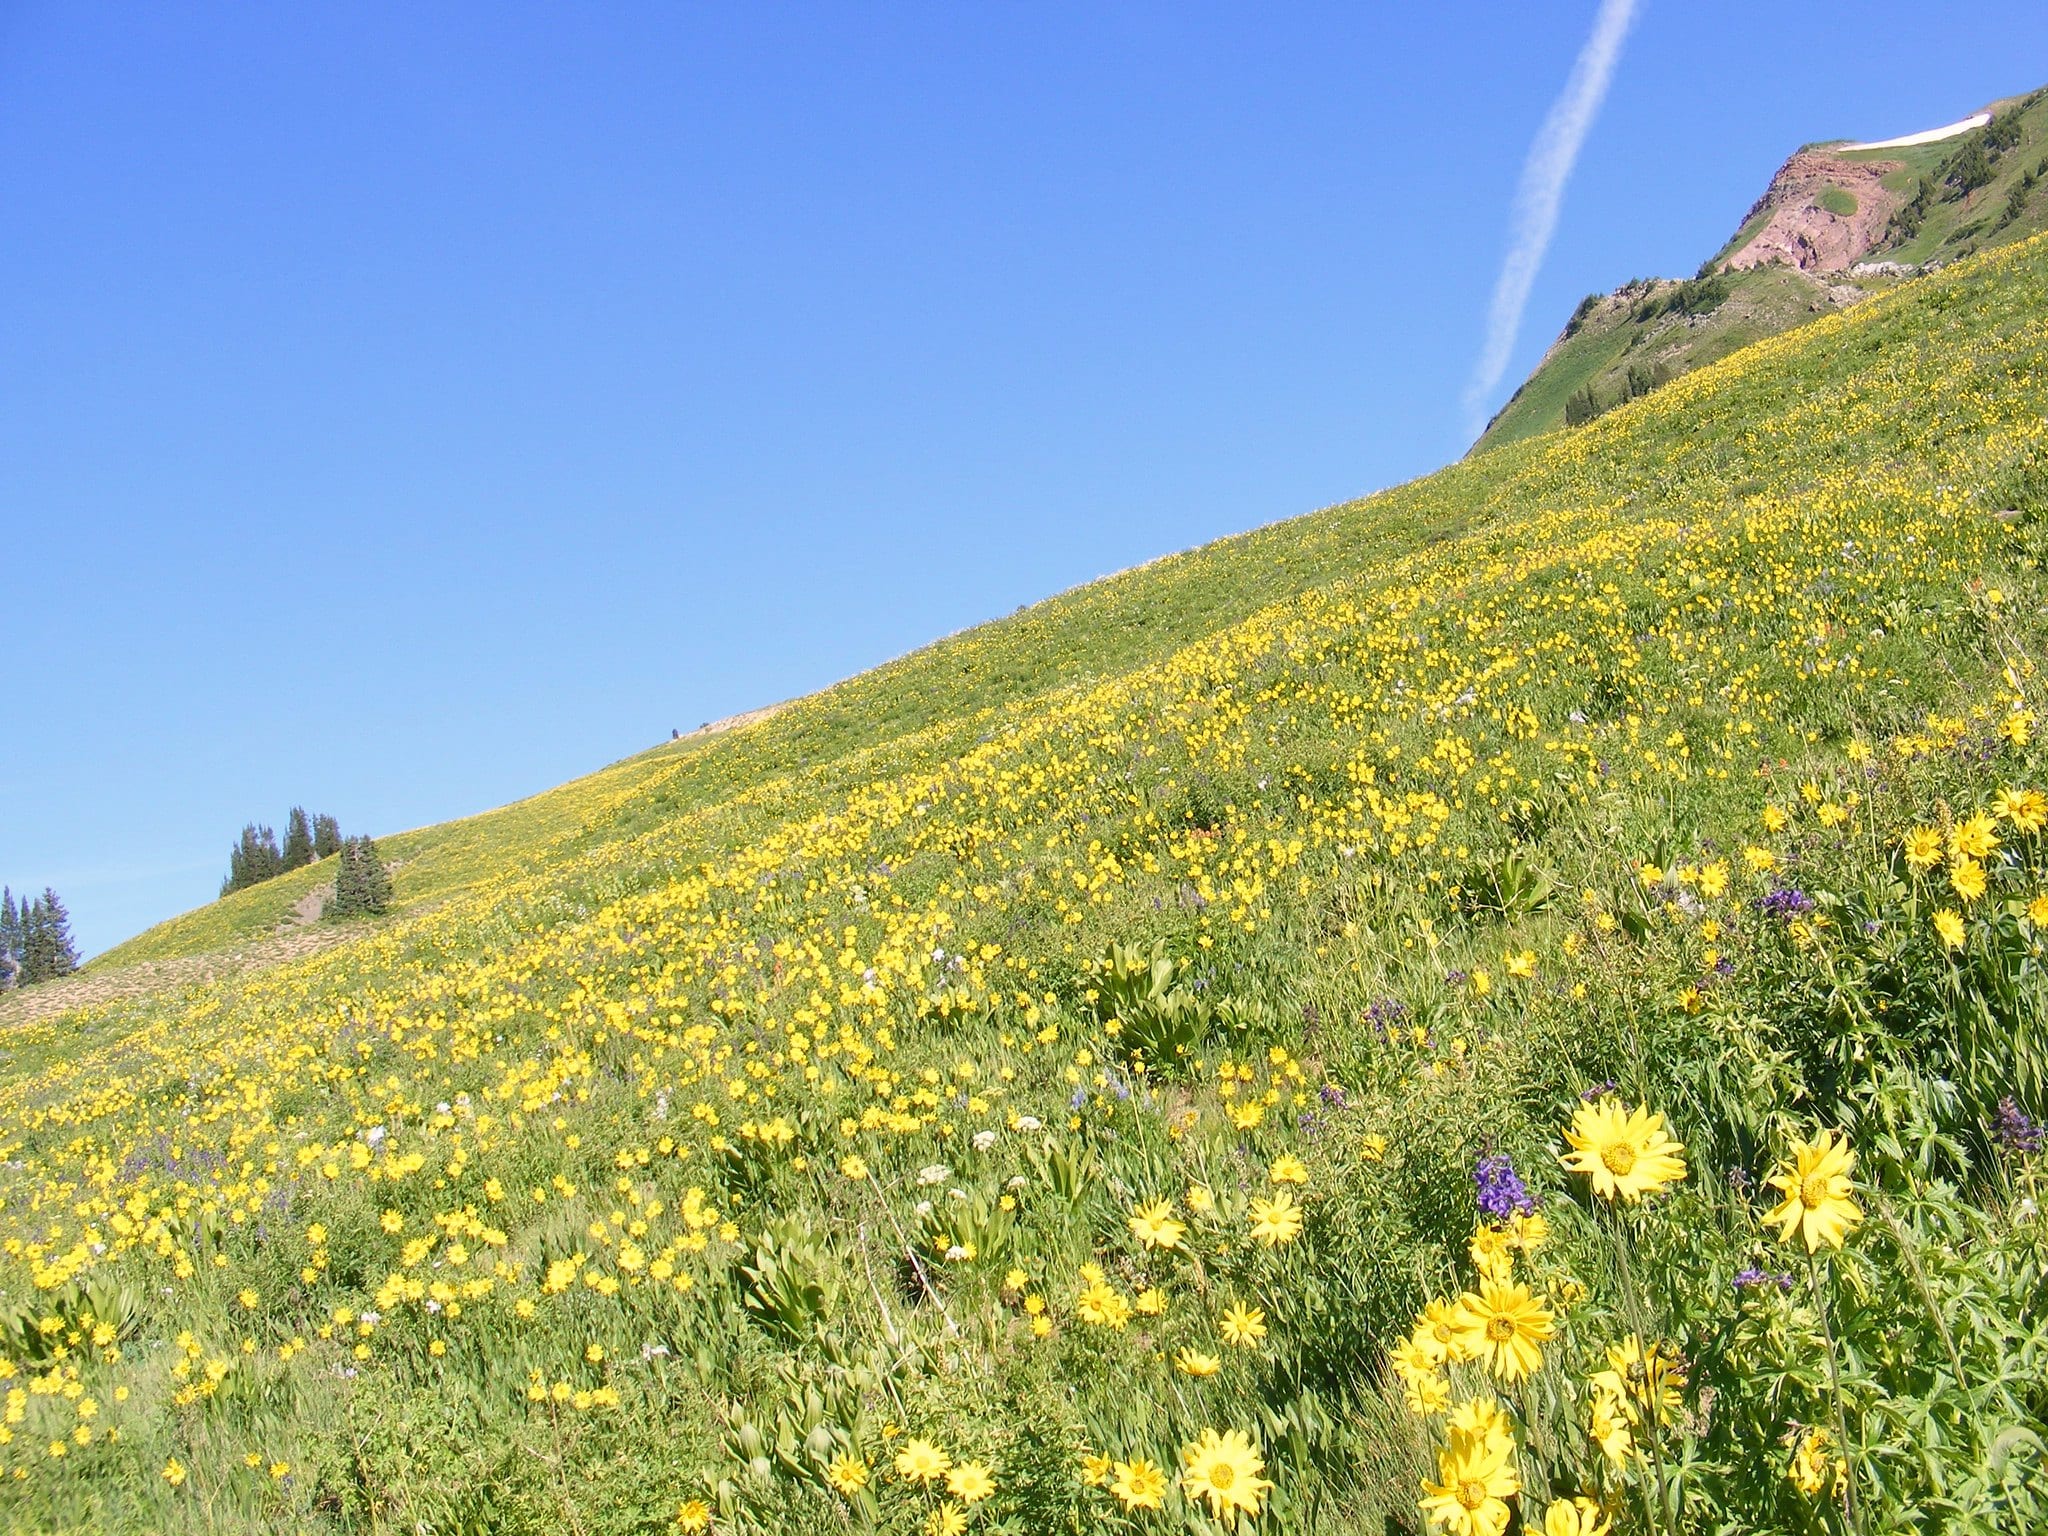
<point>46,947</point>
<point>10,938</point>
<point>255,858</point>
<point>62,951</point>
<point>298,840</point>
<point>362,886</point>
<point>35,958</point>
<point>326,837</point>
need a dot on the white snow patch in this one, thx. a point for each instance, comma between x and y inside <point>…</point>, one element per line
<point>1929,136</point>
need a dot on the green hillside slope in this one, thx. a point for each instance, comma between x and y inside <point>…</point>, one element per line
<point>1948,199</point>
<point>1036,1086</point>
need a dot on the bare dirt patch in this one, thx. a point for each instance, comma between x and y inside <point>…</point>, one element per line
<point>1798,231</point>
<point>90,988</point>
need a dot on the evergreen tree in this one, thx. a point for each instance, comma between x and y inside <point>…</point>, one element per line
<point>326,837</point>
<point>35,958</point>
<point>62,951</point>
<point>298,840</point>
<point>362,886</point>
<point>10,938</point>
<point>255,858</point>
<point>46,947</point>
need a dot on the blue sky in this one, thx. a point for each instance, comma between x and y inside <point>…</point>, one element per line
<point>406,408</point>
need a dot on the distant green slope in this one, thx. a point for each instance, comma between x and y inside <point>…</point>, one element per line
<point>1982,189</point>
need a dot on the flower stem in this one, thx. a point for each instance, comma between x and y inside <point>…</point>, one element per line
<point>1827,1327</point>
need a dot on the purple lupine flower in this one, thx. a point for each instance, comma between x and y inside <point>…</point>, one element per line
<point>1334,1096</point>
<point>1384,1014</point>
<point>1785,902</point>
<point>1754,1279</point>
<point>1501,1191</point>
<point>1598,1091</point>
<point>2016,1133</point>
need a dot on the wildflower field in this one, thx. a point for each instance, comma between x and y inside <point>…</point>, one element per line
<point>1512,1004</point>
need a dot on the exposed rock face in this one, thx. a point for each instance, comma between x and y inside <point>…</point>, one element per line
<point>1800,233</point>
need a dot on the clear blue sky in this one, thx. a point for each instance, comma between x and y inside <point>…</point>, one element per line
<point>405,408</point>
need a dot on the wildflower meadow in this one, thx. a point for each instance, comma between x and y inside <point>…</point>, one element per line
<point>1514,1004</point>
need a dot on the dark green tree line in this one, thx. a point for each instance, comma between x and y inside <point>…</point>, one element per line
<point>258,856</point>
<point>35,939</point>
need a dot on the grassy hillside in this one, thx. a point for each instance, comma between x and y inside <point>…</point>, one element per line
<point>1620,345</point>
<point>1035,1086</point>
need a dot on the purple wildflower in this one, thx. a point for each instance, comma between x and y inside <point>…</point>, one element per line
<point>2016,1133</point>
<point>1786,902</point>
<point>1501,1190</point>
<point>1385,1014</point>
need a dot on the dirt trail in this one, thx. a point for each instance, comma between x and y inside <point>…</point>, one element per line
<point>734,722</point>
<point>90,987</point>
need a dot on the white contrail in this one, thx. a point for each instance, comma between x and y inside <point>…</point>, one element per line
<point>1549,166</point>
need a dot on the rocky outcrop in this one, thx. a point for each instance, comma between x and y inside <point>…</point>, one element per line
<point>1800,231</point>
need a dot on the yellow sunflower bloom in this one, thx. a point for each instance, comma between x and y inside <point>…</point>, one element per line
<point>1638,1380</point>
<point>848,1474</point>
<point>1922,847</point>
<point>1437,1330</point>
<point>1612,1428</point>
<point>1242,1325</point>
<point>1276,1221</point>
<point>2026,809</point>
<point>1819,1203</point>
<point>1192,1362</point>
<point>1625,1152</point>
<point>922,1462</point>
<point>970,1482</point>
<point>1948,924</point>
<point>1482,1419</point>
<point>1476,1477</point>
<point>1224,1471</point>
<point>1811,1468</point>
<point>1974,837</point>
<point>1139,1484</point>
<point>1287,1169</point>
<point>1575,1517</point>
<point>1505,1327</point>
<point>1425,1394</point>
<point>1100,1304</point>
<point>1493,1253</point>
<point>1154,1225</point>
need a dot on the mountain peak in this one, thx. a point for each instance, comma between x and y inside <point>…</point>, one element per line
<point>1839,221</point>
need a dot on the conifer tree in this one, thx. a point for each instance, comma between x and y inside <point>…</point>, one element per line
<point>326,837</point>
<point>34,962</point>
<point>62,950</point>
<point>298,840</point>
<point>47,950</point>
<point>362,886</point>
<point>10,938</point>
<point>255,858</point>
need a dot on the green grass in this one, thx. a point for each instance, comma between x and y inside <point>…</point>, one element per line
<point>1524,714</point>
